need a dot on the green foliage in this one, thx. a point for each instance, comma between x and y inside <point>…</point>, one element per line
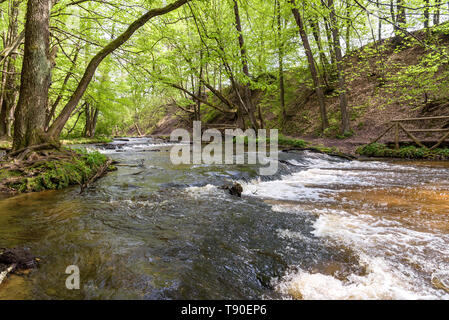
<point>346,135</point>
<point>199,40</point>
<point>282,141</point>
<point>419,82</point>
<point>298,143</point>
<point>328,150</point>
<point>97,139</point>
<point>406,152</point>
<point>55,174</point>
<point>334,125</point>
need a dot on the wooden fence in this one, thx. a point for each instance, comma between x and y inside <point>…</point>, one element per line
<point>398,124</point>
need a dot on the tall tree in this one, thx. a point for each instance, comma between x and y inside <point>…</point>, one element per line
<point>379,20</point>
<point>436,15</point>
<point>311,62</point>
<point>323,59</point>
<point>35,79</point>
<point>246,88</point>
<point>91,114</point>
<point>281,53</point>
<point>426,14</point>
<point>9,90</point>
<point>401,18</point>
<point>55,129</point>
<point>348,25</point>
<point>340,70</point>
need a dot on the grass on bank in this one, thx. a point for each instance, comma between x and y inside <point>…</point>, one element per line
<point>54,173</point>
<point>407,152</point>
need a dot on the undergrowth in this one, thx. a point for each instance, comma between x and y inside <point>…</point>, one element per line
<point>407,152</point>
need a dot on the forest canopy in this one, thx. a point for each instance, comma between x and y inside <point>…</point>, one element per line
<point>111,67</point>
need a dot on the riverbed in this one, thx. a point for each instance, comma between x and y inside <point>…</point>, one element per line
<point>321,228</point>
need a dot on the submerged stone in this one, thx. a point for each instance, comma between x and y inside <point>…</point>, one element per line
<point>440,280</point>
<point>234,190</point>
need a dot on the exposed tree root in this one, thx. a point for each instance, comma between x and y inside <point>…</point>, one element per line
<point>40,168</point>
<point>100,173</point>
<point>33,156</point>
<point>24,153</point>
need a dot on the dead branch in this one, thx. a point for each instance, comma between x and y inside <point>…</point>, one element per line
<point>100,173</point>
<point>5,273</point>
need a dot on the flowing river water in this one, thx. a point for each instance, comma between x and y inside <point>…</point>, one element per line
<point>322,228</point>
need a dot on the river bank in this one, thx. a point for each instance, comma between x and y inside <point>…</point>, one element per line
<point>54,170</point>
<point>354,148</point>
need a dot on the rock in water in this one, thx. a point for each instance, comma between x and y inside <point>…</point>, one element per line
<point>22,258</point>
<point>235,190</point>
<point>440,280</point>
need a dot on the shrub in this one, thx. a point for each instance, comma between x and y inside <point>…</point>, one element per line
<point>406,152</point>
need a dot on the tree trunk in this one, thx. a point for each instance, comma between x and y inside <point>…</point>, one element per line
<point>401,19</point>
<point>91,114</point>
<point>93,123</point>
<point>35,80</point>
<point>55,129</point>
<point>200,89</point>
<point>10,96</point>
<point>245,68</point>
<point>3,117</point>
<point>87,124</point>
<point>436,15</point>
<point>51,112</point>
<point>323,60</point>
<point>392,13</point>
<point>380,21</point>
<point>348,27</point>
<point>340,70</point>
<point>426,14</point>
<point>281,64</point>
<point>311,61</point>
<point>330,46</point>
<point>9,92</point>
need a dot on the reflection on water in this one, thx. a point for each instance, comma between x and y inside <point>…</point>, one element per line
<point>322,228</point>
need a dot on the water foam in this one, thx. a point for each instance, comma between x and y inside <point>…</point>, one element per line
<point>380,283</point>
<point>402,262</point>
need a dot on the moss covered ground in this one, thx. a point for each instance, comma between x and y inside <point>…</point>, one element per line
<point>56,171</point>
<point>406,152</point>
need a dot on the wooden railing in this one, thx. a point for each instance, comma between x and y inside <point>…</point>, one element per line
<point>397,125</point>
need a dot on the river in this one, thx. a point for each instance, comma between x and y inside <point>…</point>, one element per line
<point>322,228</point>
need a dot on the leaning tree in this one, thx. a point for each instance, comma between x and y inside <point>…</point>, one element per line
<point>30,114</point>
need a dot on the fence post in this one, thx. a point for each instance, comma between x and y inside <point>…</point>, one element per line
<point>397,136</point>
